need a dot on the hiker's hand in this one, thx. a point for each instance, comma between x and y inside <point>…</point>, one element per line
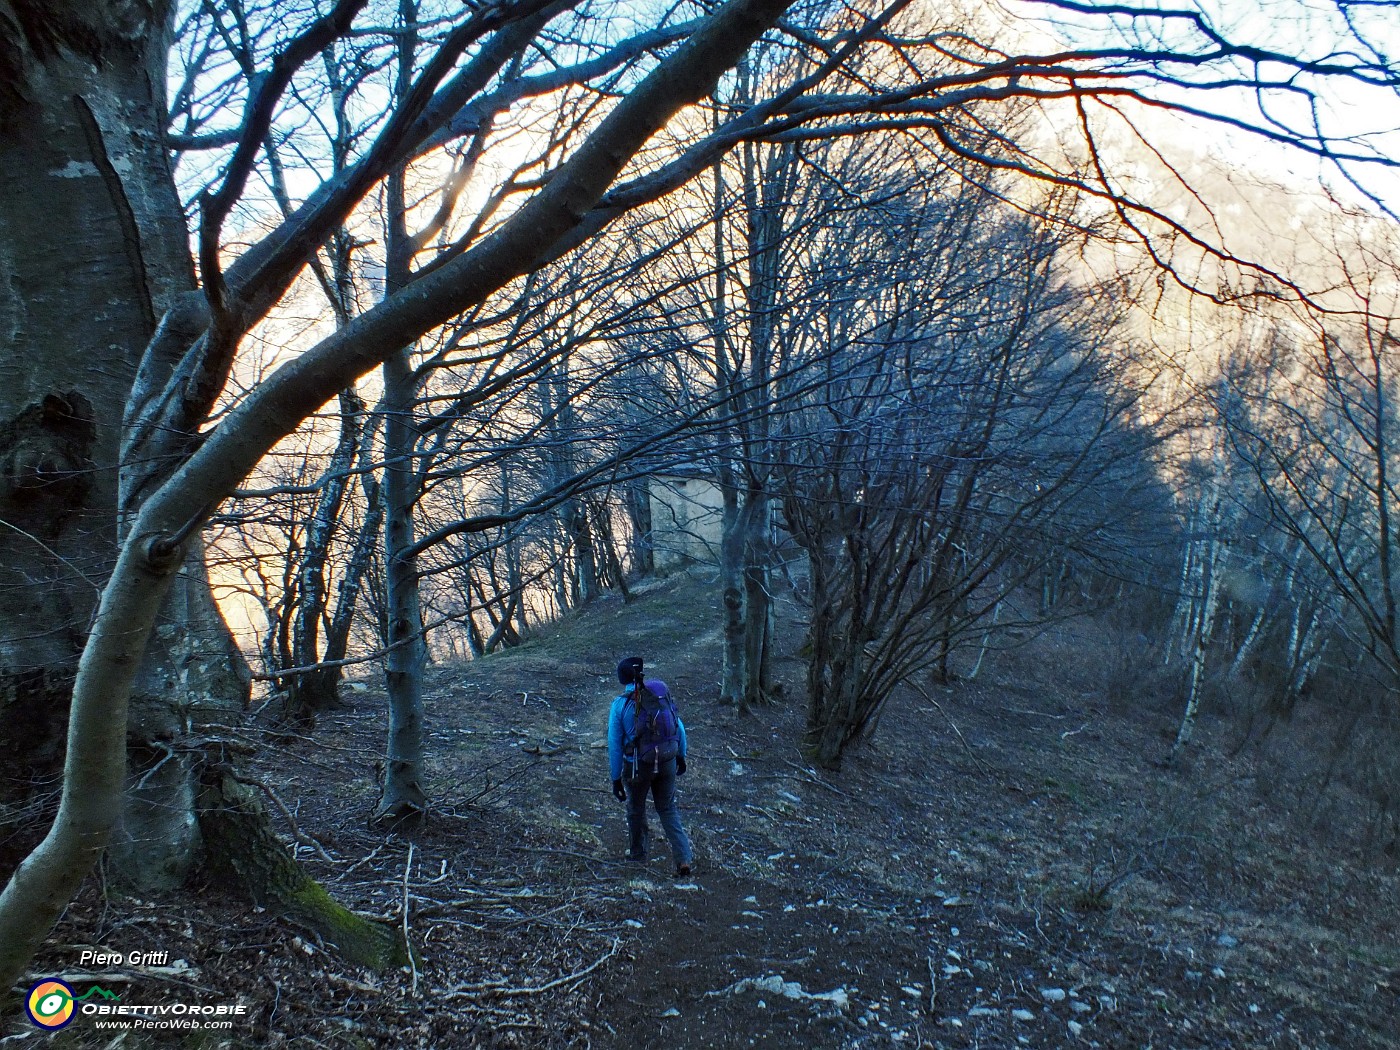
<point>680,765</point>
<point>619,792</point>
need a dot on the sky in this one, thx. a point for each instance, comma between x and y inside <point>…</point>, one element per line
<point>1363,118</point>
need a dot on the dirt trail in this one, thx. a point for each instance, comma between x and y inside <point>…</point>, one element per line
<point>1030,879</point>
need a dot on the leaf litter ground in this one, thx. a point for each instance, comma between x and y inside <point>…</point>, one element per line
<point>1006,866</point>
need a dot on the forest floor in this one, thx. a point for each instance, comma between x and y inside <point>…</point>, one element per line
<point>1007,865</point>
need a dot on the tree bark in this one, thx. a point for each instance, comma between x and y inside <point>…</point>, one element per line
<point>244,853</point>
<point>758,600</point>
<point>311,692</point>
<point>92,251</point>
<point>150,554</point>
<point>1202,622</point>
<point>403,797</point>
<point>733,669</point>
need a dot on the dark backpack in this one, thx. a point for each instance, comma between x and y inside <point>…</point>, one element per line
<point>656,731</point>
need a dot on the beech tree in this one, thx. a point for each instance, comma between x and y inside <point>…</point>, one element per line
<point>176,474</point>
<point>122,423</point>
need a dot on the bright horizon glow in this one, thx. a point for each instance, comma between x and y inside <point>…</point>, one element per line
<point>1360,119</point>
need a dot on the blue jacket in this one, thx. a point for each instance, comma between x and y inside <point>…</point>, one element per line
<point>620,724</point>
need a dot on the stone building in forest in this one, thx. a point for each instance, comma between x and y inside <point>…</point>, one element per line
<point>687,514</point>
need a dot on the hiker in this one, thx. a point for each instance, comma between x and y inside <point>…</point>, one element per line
<point>646,752</point>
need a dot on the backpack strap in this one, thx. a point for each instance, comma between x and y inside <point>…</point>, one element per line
<point>630,740</point>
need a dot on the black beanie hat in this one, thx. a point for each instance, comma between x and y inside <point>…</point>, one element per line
<point>630,670</point>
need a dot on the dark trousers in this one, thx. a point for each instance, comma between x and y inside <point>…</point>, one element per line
<point>661,783</point>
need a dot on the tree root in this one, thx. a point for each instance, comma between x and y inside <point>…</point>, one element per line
<point>243,849</point>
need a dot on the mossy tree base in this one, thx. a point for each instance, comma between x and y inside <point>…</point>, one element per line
<point>241,846</point>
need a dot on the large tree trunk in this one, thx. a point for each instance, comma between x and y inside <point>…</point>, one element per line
<point>404,797</point>
<point>92,251</point>
<point>193,678</point>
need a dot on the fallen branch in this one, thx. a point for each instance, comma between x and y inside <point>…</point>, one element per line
<point>977,760</point>
<point>490,989</point>
<point>300,836</point>
<point>360,863</point>
<point>408,943</point>
<point>812,778</point>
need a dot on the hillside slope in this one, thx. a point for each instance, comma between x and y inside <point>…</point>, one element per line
<point>1005,866</point>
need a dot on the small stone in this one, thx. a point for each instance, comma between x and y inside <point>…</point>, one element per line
<point>673,1012</point>
<point>632,923</point>
<point>1023,1015</point>
<point>1054,995</point>
<point>1226,941</point>
<point>1217,973</point>
<point>1080,1008</point>
<point>1076,1029</point>
<point>736,769</point>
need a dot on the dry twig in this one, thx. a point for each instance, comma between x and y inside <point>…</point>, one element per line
<point>982,766</point>
<point>407,940</point>
<point>490,989</point>
<point>300,836</point>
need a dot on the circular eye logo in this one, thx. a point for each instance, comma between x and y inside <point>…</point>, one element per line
<point>50,1004</point>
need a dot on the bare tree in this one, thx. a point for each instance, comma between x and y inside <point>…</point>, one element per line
<point>1313,423</point>
<point>923,479</point>
<point>191,353</point>
<point>115,505</point>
